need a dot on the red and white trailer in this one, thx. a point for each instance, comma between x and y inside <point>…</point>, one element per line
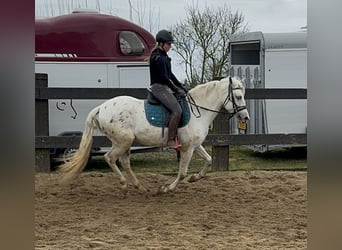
<point>89,49</point>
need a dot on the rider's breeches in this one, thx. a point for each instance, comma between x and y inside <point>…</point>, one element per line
<point>165,96</point>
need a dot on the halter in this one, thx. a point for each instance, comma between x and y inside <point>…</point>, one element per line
<point>229,98</point>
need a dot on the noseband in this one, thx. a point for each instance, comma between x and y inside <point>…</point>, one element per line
<point>230,98</point>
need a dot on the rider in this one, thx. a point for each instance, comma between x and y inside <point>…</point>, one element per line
<point>164,83</point>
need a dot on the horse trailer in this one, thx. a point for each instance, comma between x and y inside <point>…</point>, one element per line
<point>89,49</point>
<point>272,60</point>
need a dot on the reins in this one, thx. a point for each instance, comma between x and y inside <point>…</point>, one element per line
<point>192,103</point>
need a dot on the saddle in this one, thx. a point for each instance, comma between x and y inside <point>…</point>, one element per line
<point>157,115</point>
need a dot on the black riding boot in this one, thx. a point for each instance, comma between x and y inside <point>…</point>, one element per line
<point>172,131</point>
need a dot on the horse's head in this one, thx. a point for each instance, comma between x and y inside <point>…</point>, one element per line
<point>235,102</point>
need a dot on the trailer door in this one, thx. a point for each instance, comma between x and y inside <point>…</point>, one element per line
<point>246,63</point>
<point>286,68</point>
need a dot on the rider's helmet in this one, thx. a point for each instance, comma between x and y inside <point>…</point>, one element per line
<point>164,36</point>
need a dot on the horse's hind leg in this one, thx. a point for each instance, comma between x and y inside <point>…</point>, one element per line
<point>126,164</point>
<point>201,152</point>
<point>111,157</point>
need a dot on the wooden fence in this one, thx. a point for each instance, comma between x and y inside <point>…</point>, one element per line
<point>220,140</point>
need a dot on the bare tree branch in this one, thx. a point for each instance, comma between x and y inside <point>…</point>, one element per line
<point>203,41</point>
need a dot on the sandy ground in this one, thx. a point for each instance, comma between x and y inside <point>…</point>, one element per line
<point>228,210</point>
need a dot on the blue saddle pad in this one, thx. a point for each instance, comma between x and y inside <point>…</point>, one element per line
<point>156,114</point>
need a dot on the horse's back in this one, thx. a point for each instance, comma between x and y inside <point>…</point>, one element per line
<point>121,102</point>
<point>119,111</point>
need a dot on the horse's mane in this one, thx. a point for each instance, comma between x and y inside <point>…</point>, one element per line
<point>201,90</point>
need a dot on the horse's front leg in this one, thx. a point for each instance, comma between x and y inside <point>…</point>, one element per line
<point>182,171</point>
<point>201,152</point>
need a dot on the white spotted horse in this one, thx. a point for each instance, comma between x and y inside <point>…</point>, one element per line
<point>123,120</point>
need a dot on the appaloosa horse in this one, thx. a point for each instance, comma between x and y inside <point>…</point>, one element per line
<point>123,120</point>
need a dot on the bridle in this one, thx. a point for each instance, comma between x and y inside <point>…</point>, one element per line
<point>229,98</point>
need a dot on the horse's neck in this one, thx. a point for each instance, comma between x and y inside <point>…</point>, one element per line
<point>212,100</point>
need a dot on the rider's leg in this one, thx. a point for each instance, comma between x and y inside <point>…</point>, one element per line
<point>172,129</point>
<point>166,97</point>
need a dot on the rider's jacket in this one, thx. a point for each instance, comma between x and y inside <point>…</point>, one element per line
<point>160,70</point>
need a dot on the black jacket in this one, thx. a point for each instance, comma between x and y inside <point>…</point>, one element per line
<point>160,70</point>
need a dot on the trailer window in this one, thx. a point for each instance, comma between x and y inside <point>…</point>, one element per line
<point>245,54</point>
<point>130,43</point>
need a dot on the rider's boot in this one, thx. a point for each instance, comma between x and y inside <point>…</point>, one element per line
<point>172,132</point>
<point>173,144</point>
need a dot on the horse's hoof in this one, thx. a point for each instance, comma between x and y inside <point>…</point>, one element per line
<point>196,177</point>
<point>193,178</point>
<point>163,190</point>
<point>143,190</point>
<point>124,189</point>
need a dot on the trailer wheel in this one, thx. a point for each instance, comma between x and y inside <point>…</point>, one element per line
<point>70,151</point>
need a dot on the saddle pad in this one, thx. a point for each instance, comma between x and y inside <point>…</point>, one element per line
<point>156,114</point>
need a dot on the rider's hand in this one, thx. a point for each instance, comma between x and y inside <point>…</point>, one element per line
<point>185,87</point>
<point>181,92</point>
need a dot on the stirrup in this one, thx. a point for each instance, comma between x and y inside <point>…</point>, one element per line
<point>177,146</point>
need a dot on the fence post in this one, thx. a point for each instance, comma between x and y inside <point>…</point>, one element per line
<point>42,156</point>
<point>221,154</point>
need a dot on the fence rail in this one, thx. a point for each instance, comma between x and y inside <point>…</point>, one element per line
<point>220,140</point>
<point>43,93</point>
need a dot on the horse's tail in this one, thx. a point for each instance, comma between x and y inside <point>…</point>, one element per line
<point>75,164</point>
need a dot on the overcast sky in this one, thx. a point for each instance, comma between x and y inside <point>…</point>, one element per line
<point>263,15</point>
<point>260,15</point>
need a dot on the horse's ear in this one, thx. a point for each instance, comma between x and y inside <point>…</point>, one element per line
<point>243,81</point>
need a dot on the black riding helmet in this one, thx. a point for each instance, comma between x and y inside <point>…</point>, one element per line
<point>164,36</point>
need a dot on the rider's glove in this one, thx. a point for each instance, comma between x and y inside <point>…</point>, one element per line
<point>181,92</point>
<point>185,87</point>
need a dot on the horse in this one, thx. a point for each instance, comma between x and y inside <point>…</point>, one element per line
<point>122,119</point>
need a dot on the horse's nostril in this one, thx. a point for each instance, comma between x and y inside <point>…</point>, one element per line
<point>247,118</point>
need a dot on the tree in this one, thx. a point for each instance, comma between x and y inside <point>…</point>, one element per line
<point>141,12</point>
<point>202,41</point>
<point>143,17</point>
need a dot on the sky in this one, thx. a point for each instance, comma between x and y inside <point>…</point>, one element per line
<point>261,15</point>
<point>268,16</point>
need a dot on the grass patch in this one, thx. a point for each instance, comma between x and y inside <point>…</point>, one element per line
<point>240,158</point>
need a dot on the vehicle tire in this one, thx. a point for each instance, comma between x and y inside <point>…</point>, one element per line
<point>69,151</point>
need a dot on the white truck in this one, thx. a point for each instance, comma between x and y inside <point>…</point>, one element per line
<point>272,60</point>
<point>88,49</point>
